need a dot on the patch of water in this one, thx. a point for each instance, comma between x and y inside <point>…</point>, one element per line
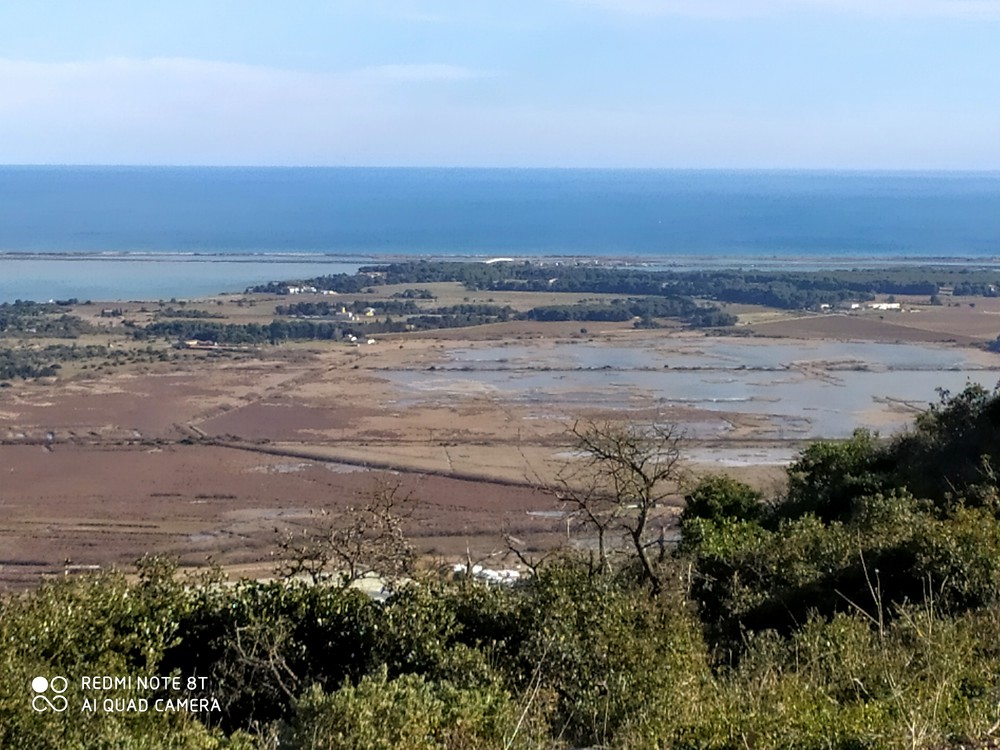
<point>281,468</point>
<point>819,389</point>
<point>714,354</point>
<point>337,468</point>
<point>743,456</point>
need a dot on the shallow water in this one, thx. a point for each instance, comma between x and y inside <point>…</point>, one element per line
<point>743,456</point>
<point>715,353</point>
<point>149,277</point>
<point>806,391</point>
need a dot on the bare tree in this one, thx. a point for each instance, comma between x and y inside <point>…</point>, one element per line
<point>518,550</point>
<point>348,545</point>
<point>625,472</point>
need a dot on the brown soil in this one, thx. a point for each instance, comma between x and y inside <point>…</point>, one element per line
<point>862,327</point>
<point>75,507</point>
<point>207,458</point>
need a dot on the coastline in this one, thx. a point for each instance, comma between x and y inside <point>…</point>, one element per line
<point>682,260</point>
<point>122,275</point>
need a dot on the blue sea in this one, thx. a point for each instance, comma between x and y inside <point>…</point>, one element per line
<point>153,232</point>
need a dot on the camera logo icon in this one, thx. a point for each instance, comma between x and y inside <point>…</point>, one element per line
<point>42,688</point>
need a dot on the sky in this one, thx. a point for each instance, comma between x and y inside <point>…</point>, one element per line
<point>778,84</point>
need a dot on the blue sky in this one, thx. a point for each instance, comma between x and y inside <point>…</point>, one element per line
<point>842,84</point>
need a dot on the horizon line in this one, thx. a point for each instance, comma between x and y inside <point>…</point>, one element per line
<point>520,168</point>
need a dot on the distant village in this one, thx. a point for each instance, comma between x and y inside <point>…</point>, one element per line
<point>883,306</point>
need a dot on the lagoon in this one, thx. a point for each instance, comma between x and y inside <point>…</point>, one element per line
<point>800,391</point>
<point>151,276</point>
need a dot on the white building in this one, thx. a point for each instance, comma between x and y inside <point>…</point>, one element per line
<point>885,306</point>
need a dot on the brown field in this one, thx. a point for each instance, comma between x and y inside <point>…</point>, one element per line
<point>72,507</point>
<point>955,323</point>
<point>208,457</point>
<point>890,328</point>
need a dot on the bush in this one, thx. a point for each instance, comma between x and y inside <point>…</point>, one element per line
<point>828,478</point>
<point>407,713</point>
<point>92,625</point>
<point>950,454</point>
<point>717,497</point>
<point>261,644</point>
<point>606,650</point>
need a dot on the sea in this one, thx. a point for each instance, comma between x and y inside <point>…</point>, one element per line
<point>118,233</point>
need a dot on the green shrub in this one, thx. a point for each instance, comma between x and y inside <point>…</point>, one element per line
<point>717,497</point>
<point>92,625</point>
<point>828,478</point>
<point>261,644</point>
<point>407,713</point>
<point>952,449</point>
<point>607,650</point>
<point>923,682</point>
<point>893,550</point>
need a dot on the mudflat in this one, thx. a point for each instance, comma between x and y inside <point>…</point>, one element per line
<point>213,458</point>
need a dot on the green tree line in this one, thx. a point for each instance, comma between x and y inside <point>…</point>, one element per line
<point>783,289</point>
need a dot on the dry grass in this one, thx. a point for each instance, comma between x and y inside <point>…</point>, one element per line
<point>318,402</point>
<point>917,327</point>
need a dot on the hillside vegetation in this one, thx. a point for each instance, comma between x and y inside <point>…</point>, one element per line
<point>859,610</point>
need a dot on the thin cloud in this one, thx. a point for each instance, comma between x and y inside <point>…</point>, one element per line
<point>181,110</point>
<point>188,111</point>
<point>423,72</point>
<point>984,9</point>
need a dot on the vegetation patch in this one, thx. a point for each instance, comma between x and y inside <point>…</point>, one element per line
<point>859,610</point>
